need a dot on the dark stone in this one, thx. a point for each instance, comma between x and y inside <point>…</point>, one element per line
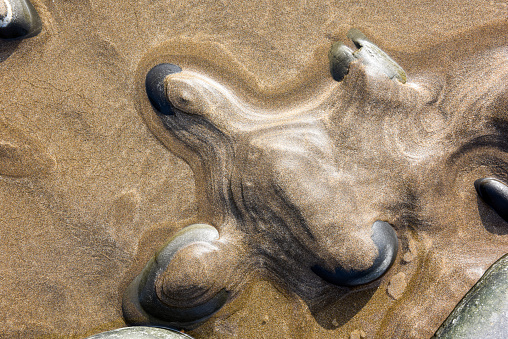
<point>141,304</point>
<point>140,332</point>
<point>386,241</point>
<point>155,88</point>
<point>483,312</point>
<point>495,194</point>
<point>340,57</point>
<point>19,20</point>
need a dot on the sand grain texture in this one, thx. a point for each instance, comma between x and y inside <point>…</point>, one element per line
<point>88,193</point>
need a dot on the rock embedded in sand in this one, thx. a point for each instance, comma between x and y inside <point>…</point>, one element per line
<point>483,312</point>
<point>156,89</point>
<point>386,241</point>
<point>495,194</point>
<point>408,257</point>
<point>397,285</point>
<point>187,296</point>
<point>141,332</point>
<point>341,56</point>
<point>18,19</point>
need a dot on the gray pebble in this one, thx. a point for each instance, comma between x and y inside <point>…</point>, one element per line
<point>340,56</point>
<point>483,312</point>
<point>495,194</point>
<point>140,332</point>
<point>141,304</point>
<point>386,241</point>
<point>155,88</point>
<point>375,59</point>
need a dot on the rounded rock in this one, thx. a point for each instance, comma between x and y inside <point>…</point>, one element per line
<point>483,312</point>
<point>495,194</point>
<point>142,304</point>
<point>374,58</point>
<point>140,332</point>
<point>340,57</point>
<point>386,241</point>
<point>156,88</point>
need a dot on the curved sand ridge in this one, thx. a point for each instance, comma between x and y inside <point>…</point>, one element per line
<point>116,194</point>
<point>395,147</point>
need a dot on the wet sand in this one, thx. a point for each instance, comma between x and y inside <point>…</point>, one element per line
<point>89,193</point>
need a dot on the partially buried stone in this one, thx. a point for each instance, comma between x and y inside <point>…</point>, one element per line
<point>18,19</point>
<point>483,312</point>
<point>156,89</point>
<point>187,303</point>
<point>375,58</point>
<point>386,241</point>
<point>341,56</point>
<point>495,194</point>
<point>140,332</point>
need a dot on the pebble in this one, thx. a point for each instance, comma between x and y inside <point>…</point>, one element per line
<point>156,89</point>
<point>408,257</point>
<point>140,332</point>
<point>385,239</point>
<point>397,285</point>
<point>340,56</point>
<point>495,194</point>
<point>18,19</point>
<point>141,303</point>
<point>375,59</point>
<point>483,312</point>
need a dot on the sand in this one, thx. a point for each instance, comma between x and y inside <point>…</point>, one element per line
<point>89,192</point>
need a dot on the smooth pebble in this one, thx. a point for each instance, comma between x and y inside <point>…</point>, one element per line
<point>483,312</point>
<point>140,332</point>
<point>495,194</point>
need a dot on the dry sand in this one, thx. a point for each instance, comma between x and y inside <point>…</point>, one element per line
<point>89,193</point>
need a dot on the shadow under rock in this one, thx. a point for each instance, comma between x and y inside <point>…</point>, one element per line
<point>7,47</point>
<point>492,222</point>
<point>344,305</point>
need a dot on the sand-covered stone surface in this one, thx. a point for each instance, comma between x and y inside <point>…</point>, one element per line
<point>89,193</point>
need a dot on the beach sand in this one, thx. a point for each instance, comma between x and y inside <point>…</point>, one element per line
<point>88,193</point>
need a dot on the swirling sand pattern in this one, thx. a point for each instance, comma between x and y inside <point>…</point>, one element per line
<point>297,177</point>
